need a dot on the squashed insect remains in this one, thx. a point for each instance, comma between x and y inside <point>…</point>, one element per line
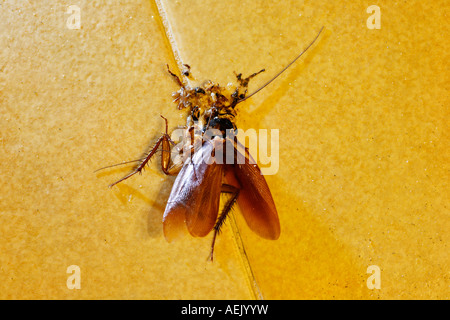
<point>202,173</point>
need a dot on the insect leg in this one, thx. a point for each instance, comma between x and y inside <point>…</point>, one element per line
<point>175,77</point>
<point>142,164</point>
<point>175,168</point>
<point>165,156</point>
<point>244,82</point>
<point>234,191</point>
<point>241,91</point>
<point>253,75</point>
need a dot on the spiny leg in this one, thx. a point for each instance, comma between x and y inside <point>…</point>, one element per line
<point>165,157</point>
<point>226,188</point>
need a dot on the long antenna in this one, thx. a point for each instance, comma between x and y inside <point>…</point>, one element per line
<point>119,164</point>
<point>267,83</point>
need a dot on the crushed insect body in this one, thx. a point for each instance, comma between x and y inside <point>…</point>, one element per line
<point>208,160</point>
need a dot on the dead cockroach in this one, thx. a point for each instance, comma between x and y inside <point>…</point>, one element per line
<point>202,176</point>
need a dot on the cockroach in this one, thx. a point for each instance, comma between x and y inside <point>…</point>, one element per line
<point>201,178</point>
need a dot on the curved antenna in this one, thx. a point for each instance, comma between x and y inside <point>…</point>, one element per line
<point>284,69</point>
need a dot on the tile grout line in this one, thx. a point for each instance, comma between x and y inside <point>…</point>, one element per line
<point>168,32</point>
<point>257,294</point>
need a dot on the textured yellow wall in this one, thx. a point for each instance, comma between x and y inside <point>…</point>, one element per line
<point>363,177</point>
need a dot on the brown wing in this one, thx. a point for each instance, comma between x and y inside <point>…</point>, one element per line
<point>195,196</point>
<point>255,199</point>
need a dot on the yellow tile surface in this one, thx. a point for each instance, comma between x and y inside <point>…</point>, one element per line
<point>363,177</point>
